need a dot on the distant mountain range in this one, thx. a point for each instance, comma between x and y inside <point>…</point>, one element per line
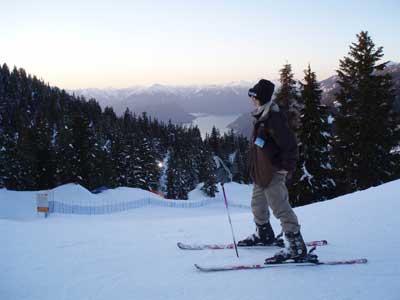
<point>176,103</point>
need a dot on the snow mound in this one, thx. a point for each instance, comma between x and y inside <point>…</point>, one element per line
<point>127,193</point>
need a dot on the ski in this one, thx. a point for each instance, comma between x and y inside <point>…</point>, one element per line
<point>231,246</point>
<point>272,265</point>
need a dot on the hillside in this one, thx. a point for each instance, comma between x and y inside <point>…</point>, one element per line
<point>133,254</point>
<point>330,87</point>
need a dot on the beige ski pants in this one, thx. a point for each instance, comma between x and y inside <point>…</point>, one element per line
<point>276,197</point>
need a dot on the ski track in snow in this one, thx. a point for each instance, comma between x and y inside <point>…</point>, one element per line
<point>133,255</point>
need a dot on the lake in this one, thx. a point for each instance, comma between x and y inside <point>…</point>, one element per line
<point>205,122</point>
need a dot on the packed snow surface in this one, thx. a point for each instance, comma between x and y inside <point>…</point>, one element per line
<point>133,254</point>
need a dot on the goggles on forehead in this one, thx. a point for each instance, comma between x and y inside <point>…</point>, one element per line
<point>252,94</point>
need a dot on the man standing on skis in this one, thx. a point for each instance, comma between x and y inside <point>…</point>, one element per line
<point>273,155</point>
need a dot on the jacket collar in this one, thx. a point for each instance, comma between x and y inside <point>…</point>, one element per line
<point>261,113</point>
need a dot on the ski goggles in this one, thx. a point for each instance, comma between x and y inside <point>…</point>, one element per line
<point>252,93</point>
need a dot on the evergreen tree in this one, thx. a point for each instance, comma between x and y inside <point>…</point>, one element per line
<point>151,171</point>
<point>26,146</point>
<point>174,176</point>
<point>193,145</point>
<point>312,180</point>
<point>366,125</point>
<point>240,167</point>
<point>120,157</point>
<point>239,173</point>
<point>82,161</point>
<point>64,152</point>
<point>287,97</point>
<point>184,168</point>
<point>107,136</point>
<point>214,141</point>
<point>207,173</point>
<point>44,153</point>
<point>10,165</point>
<point>228,146</point>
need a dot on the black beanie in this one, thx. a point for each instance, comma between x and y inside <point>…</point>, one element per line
<point>262,91</point>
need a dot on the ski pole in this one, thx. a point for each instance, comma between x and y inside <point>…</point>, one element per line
<point>230,221</point>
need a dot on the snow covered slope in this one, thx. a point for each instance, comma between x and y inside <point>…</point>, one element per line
<point>133,254</point>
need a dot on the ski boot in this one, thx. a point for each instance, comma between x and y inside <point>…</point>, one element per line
<point>296,250</point>
<point>264,236</point>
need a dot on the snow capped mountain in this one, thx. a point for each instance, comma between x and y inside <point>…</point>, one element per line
<point>113,94</point>
<point>393,64</point>
<point>105,95</point>
<point>225,99</point>
<point>156,89</point>
<point>329,84</point>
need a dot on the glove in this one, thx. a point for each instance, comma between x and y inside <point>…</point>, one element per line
<point>283,172</point>
<point>288,175</point>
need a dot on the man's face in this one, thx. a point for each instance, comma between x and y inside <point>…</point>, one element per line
<point>255,102</point>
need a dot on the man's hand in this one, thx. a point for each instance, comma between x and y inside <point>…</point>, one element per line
<point>289,177</point>
<point>283,172</point>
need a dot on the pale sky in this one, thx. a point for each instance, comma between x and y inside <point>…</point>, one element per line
<point>120,43</point>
